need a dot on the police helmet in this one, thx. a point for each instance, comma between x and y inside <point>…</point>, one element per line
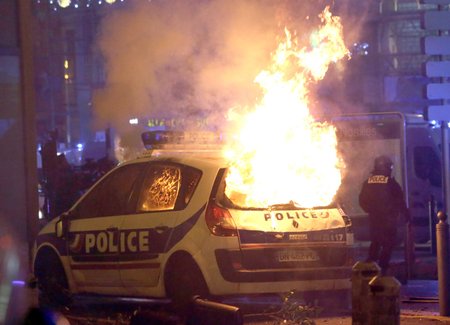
<point>383,165</point>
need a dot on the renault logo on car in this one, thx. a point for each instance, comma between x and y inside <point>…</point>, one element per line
<point>279,236</point>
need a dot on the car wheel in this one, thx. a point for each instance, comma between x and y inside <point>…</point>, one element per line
<point>183,281</point>
<point>52,282</point>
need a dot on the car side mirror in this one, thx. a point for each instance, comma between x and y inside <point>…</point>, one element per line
<point>62,225</point>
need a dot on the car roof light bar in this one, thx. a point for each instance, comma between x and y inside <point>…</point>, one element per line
<point>180,140</point>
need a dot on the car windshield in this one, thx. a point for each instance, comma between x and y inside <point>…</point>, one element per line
<point>238,201</point>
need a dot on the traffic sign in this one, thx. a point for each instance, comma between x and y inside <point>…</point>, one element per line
<point>437,45</point>
<point>436,20</point>
<point>438,91</point>
<point>438,113</point>
<point>437,69</point>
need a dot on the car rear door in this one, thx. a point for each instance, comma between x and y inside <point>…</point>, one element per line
<point>161,220</point>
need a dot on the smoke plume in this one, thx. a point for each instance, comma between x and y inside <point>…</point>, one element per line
<point>191,60</point>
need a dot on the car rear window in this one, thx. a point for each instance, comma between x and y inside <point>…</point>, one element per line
<point>238,200</point>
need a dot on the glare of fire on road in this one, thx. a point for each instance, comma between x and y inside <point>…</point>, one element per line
<point>280,153</point>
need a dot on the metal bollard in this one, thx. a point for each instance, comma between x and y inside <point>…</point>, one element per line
<point>443,264</point>
<point>362,273</point>
<point>384,300</point>
<point>432,221</point>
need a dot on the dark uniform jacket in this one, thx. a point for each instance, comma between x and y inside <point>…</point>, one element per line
<point>382,197</point>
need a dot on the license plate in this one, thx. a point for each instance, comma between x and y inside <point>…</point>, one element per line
<point>297,256</point>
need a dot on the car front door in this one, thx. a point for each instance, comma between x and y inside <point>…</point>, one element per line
<point>94,241</point>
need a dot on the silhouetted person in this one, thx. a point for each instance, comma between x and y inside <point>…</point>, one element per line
<point>66,185</point>
<point>383,199</point>
<point>49,163</point>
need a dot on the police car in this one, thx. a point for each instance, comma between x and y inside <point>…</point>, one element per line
<point>162,226</point>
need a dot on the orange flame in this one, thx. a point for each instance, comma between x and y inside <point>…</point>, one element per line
<point>281,154</point>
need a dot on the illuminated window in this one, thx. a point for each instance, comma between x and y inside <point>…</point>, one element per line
<point>161,187</point>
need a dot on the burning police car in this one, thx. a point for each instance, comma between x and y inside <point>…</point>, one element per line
<point>255,219</point>
<point>164,226</point>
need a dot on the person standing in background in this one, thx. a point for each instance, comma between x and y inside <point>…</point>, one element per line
<point>383,199</point>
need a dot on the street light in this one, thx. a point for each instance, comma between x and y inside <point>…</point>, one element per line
<point>64,3</point>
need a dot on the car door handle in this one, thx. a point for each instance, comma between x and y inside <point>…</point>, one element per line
<point>161,229</point>
<point>112,229</point>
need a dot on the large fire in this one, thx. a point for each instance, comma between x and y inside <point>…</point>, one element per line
<point>281,154</point>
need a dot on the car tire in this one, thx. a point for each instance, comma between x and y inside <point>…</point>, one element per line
<point>52,282</point>
<point>183,281</point>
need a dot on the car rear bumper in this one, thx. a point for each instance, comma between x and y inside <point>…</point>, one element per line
<point>233,269</point>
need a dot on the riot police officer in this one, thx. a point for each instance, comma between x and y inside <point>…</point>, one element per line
<point>383,199</point>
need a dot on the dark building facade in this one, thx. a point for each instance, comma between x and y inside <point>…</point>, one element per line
<point>68,69</point>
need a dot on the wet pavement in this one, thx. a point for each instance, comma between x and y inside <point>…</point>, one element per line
<point>419,302</point>
<point>419,295</point>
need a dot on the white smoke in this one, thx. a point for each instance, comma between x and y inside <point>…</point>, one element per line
<point>190,60</point>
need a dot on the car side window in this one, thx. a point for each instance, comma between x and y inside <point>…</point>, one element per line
<point>160,188</point>
<point>191,177</point>
<point>111,196</point>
